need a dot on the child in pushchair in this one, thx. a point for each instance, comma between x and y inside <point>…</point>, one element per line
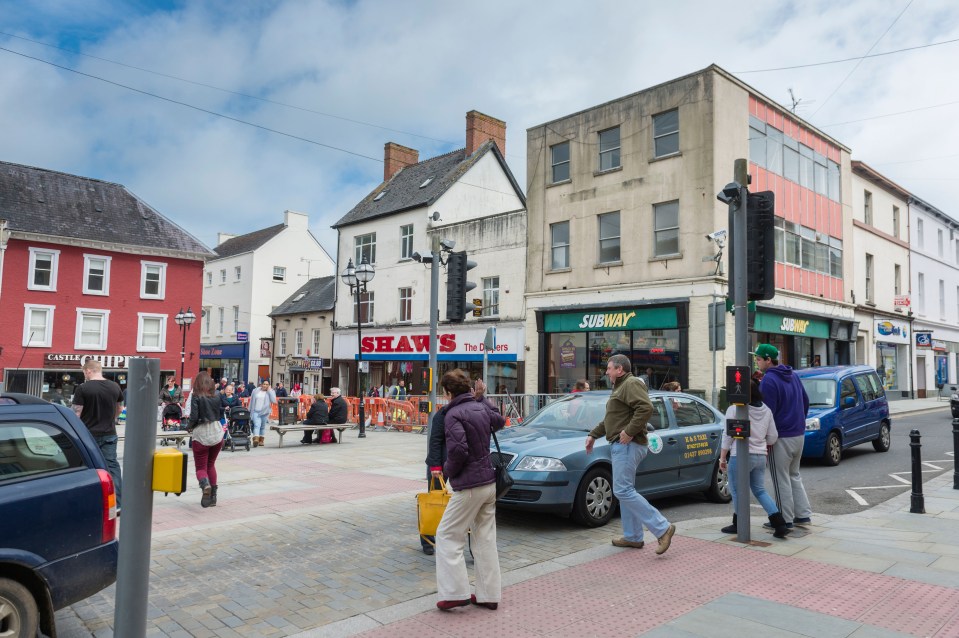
<point>172,417</point>
<point>238,429</point>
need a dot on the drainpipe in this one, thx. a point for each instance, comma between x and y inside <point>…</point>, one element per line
<point>4,236</point>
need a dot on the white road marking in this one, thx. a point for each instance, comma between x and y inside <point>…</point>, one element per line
<point>857,498</point>
<point>897,477</point>
<point>932,465</point>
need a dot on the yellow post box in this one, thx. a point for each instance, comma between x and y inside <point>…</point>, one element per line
<point>169,471</point>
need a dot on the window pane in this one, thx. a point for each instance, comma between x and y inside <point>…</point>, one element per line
<point>667,242</point>
<point>820,173</point>
<point>822,258</point>
<point>38,326</point>
<point>791,164</point>
<point>609,149</point>
<point>667,215</point>
<point>608,250</point>
<point>666,133</point>
<point>43,268</point>
<point>757,146</point>
<point>808,254</point>
<point>560,258</point>
<point>560,233</point>
<point>833,179</point>
<point>609,226</point>
<point>774,150</point>
<point>151,285</point>
<point>90,330</point>
<point>560,162</point>
<point>151,332</point>
<point>792,249</point>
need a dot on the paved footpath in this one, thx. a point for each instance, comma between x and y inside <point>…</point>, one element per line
<point>321,541</point>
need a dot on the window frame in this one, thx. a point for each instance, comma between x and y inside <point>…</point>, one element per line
<point>657,135</point>
<point>209,278</point>
<point>867,207</point>
<point>618,237</point>
<point>27,342</point>
<point>298,342</point>
<point>657,230</point>
<point>921,292</point>
<point>895,222</point>
<point>406,241</point>
<point>141,316</point>
<point>222,276</point>
<point>364,245</point>
<point>281,347</point>
<point>490,296</point>
<point>207,311</point>
<point>161,283</point>
<point>555,165</point>
<point>104,328</point>
<point>315,340</point>
<point>554,246</point>
<point>613,152</point>
<point>942,299</point>
<point>236,319</point>
<point>54,268</point>
<point>406,304</point>
<point>222,320</point>
<point>897,279</point>
<point>368,300</point>
<point>87,259</point>
<point>870,279</point>
<point>941,243</point>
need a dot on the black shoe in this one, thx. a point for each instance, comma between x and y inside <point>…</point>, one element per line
<point>302,442</point>
<point>428,550</point>
<point>779,525</point>
<point>769,526</point>
<point>207,492</point>
<point>731,529</point>
<point>802,521</point>
<point>213,496</point>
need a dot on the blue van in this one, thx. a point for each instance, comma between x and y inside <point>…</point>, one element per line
<point>58,515</point>
<point>847,406</point>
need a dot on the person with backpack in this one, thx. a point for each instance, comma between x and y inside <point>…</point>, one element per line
<point>206,432</point>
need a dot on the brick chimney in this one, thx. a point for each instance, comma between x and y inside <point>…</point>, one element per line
<point>396,157</point>
<point>480,127</point>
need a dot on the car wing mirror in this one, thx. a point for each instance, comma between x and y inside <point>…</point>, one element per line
<point>848,402</point>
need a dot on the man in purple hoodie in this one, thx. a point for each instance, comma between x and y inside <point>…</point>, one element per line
<point>784,394</point>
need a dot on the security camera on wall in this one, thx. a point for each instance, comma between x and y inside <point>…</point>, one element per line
<point>716,235</point>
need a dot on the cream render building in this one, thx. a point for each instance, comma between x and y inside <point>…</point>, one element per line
<point>621,199</point>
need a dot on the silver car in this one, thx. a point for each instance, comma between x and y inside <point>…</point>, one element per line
<point>552,472</point>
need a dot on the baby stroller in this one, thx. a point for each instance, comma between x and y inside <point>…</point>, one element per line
<point>238,429</point>
<point>172,417</point>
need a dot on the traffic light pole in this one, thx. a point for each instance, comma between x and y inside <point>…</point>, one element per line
<point>434,325</point>
<point>737,224</point>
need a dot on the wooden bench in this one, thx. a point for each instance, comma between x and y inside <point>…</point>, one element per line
<point>177,436</point>
<point>283,429</point>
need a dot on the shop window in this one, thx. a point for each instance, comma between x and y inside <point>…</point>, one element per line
<point>37,326</point>
<point>151,333</point>
<point>559,159</point>
<point>559,242</point>
<point>666,133</point>
<point>491,296</point>
<point>91,329</point>
<point>152,280</point>
<point>96,275</point>
<point>609,238</point>
<point>567,362</point>
<point>609,157</point>
<point>43,269</point>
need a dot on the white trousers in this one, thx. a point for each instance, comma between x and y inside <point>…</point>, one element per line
<point>471,509</point>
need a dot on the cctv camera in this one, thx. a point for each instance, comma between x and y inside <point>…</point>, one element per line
<point>730,193</point>
<point>716,235</point>
<point>416,257</point>
<point>447,244</point>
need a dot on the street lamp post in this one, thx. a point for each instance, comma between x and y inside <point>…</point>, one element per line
<point>184,319</point>
<point>356,279</point>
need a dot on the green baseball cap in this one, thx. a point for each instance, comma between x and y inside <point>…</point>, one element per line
<point>766,351</point>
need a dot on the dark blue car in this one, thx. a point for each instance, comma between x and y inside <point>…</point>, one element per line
<point>58,517</point>
<point>847,407</point>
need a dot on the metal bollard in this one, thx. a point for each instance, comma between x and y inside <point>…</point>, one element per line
<point>917,505</point>
<point>955,451</point>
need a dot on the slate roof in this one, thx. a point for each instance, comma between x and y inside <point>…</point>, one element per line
<point>248,242</point>
<point>403,190</point>
<point>319,295</point>
<point>37,200</point>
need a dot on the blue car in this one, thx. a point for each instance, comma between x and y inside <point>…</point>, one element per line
<point>58,517</point>
<point>847,407</point>
<point>552,472</point>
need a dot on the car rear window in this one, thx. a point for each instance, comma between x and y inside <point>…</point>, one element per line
<point>34,448</point>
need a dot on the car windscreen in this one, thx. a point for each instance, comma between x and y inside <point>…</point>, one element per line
<point>822,392</point>
<point>573,412</point>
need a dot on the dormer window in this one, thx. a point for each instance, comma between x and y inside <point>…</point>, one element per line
<point>426,182</point>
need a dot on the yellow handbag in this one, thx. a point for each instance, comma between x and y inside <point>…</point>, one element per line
<point>430,507</point>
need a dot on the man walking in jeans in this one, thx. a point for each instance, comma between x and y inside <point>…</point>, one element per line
<point>627,412</point>
<point>98,402</point>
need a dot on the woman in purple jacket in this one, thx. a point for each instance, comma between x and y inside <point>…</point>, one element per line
<point>469,422</point>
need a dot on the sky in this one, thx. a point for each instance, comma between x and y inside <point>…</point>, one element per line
<point>224,114</point>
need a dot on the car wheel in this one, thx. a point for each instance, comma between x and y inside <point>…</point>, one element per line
<point>718,491</point>
<point>884,441</point>
<point>595,503</point>
<point>833,452</point>
<point>18,609</point>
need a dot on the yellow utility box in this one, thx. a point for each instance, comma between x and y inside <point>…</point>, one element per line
<point>169,471</point>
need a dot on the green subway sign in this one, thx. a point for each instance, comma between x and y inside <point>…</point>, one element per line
<point>599,321</point>
<point>783,324</point>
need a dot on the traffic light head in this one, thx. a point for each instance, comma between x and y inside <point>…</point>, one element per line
<point>457,286</point>
<point>760,246</point>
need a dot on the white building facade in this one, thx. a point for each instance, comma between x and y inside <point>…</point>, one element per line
<point>934,240</point>
<point>251,275</point>
<point>468,196</point>
<point>881,278</point>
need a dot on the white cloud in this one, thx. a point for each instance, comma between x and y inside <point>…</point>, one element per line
<point>418,67</point>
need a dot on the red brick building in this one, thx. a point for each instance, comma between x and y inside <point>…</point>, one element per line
<point>87,269</point>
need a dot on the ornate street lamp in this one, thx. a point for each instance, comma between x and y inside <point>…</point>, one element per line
<point>184,320</point>
<point>356,279</point>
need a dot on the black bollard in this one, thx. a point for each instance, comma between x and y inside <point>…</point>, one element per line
<point>955,451</point>
<point>917,505</point>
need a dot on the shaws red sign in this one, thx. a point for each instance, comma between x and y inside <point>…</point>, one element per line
<point>403,343</point>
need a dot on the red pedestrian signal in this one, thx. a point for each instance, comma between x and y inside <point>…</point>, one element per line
<point>737,384</point>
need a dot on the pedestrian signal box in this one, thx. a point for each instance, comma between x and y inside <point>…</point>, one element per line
<point>427,380</point>
<point>737,429</point>
<point>477,307</point>
<point>737,384</point>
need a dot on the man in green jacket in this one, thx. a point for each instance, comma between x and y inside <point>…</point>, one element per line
<point>624,426</point>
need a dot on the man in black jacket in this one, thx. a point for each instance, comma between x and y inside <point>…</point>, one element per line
<point>338,407</point>
<point>318,415</point>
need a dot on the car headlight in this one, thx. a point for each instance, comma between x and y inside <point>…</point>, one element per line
<point>812,425</point>
<point>540,464</point>
<point>955,397</point>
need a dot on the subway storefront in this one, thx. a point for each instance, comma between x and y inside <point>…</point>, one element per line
<point>576,344</point>
<point>804,340</point>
